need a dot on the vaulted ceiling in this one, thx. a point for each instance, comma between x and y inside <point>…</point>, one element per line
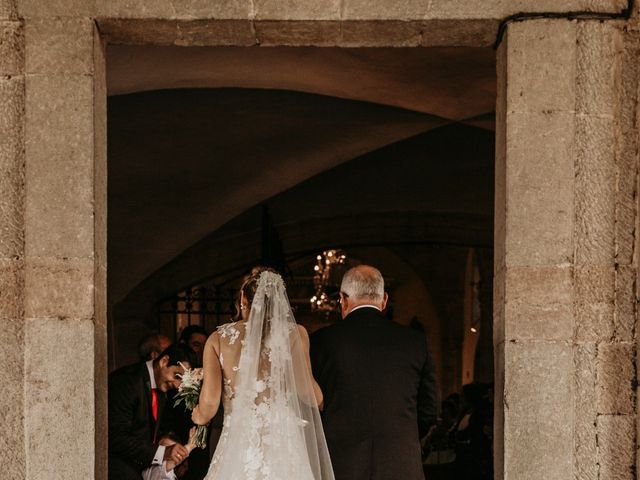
<point>197,136</point>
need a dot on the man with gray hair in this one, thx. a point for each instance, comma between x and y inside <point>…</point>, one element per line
<point>151,346</point>
<point>379,386</point>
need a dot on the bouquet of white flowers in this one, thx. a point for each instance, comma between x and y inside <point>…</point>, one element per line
<point>189,393</point>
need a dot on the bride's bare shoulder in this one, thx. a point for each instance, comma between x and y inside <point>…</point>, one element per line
<point>303,333</point>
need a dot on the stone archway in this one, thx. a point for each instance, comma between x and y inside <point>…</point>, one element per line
<point>565,315</point>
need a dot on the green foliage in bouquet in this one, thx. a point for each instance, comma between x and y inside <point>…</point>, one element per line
<point>189,394</point>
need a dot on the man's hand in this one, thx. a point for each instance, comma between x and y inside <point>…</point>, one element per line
<point>176,454</point>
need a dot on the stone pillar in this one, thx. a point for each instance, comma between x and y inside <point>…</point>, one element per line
<point>12,400</point>
<point>564,323</point>
<point>64,292</point>
<point>604,347</point>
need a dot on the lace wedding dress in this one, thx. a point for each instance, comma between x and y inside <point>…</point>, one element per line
<point>272,428</point>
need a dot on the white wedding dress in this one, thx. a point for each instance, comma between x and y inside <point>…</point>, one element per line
<point>272,428</point>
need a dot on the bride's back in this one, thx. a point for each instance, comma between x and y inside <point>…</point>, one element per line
<point>229,341</point>
<point>272,427</point>
<point>230,338</point>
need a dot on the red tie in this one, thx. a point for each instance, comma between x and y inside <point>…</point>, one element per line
<point>154,403</point>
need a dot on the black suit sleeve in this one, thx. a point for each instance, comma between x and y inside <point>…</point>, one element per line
<point>314,352</point>
<point>123,441</point>
<point>176,420</point>
<point>428,398</point>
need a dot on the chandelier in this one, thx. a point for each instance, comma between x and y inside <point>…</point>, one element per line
<point>327,291</point>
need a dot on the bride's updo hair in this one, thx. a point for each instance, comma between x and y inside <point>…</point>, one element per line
<point>249,287</point>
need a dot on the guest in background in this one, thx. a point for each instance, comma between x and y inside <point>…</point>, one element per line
<point>439,444</point>
<point>137,395</point>
<point>474,433</point>
<point>195,336</point>
<point>152,345</point>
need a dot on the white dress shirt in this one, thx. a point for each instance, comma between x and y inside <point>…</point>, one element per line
<point>365,306</point>
<point>158,472</point>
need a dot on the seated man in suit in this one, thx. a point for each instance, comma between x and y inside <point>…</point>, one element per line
<point>379,385</point>
<point>137,394</point>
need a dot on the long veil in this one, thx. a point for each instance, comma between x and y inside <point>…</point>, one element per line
<point>275,431</point>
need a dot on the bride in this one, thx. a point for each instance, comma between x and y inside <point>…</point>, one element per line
<point>260,368</point>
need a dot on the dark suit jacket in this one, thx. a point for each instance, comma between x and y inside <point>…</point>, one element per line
<point>379,388</point>
<point>177,419</point>
<point>132,428</point>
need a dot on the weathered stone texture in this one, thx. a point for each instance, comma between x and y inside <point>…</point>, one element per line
<point>11,259</point>
<point>539,410</point>
<point>63,281</point>
<point>534,251</point>
<point>11,290</point>
<point>300,33</point>
<point>626,211</point>
<point>542,59</point>
<point>59,45</point>
<point>627,152</point>
<point>594,303</point>
<point>304,9</point>
<point>536,101</point>
<point>12,398</point>
<point>539,303</point>
<point>59,152</point>
<point>62,288</point>
<point>614,6</point>
<point>616,378</point>
<point>499,409</point>
<point>616,447</point>
<point>585,433</point>
<point>595,190</point>
<point>598,68</point>
<point>57,8</point>
<point>366,9</point>
<point>476,33</point>
<point>8,9</point>
<point>59,383</point>
<point>139,32</point>
<point>202,33</point>
<point>11,48</point>
<point>12,170</point>
<point>598,74</point>
<point>172,32</point>
<point>625,303</point>
<point>100,179</point>
<point>278,32</point>
<point>378,34</point>
<point>12,243</point>
<point>297,10</point>
<point>378,10</point>
<point>174,9</point>
<point>537,203</point>
<point>569,73</point>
